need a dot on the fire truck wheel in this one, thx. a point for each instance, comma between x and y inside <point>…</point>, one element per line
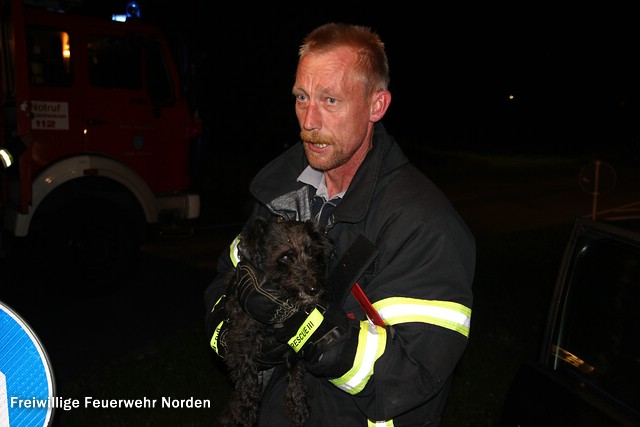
<point>88,245</point>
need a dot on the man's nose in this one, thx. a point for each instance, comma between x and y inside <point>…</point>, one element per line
<point>312,118</point>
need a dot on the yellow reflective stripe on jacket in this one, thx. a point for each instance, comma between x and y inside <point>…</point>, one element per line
<point>372,341</point>
<point>233,251</point>
<point>388,423</point>
<point>446,314</point>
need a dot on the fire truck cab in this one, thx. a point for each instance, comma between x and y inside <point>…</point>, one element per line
<point>95,137</point>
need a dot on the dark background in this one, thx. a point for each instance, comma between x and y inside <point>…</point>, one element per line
<point>573,74</point>
<point>572,70</point>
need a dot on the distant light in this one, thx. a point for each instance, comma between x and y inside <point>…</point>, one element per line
<point>132,11</point>
<point>511,97</point>
<point>11,152</point>
<point>6,158</point>
<point>66,48</point>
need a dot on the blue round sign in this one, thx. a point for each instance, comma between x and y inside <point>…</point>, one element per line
<point>26,378</point>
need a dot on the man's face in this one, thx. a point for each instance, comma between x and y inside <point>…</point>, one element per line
<point>332,110</point>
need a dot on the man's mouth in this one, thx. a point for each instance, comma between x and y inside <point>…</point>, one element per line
<point>315,140</point>
<point>317,146</point>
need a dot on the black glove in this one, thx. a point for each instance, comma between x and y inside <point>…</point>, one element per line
<point>326,340</point>
<point>217,327</point>
<point>271,354</point>
<point>260,298</point>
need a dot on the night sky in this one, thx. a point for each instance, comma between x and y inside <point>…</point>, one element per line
<point>572,71</point>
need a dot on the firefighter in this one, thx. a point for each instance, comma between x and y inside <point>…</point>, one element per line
<point>416,268</point>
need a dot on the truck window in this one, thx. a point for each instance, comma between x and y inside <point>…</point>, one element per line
<point>49,57</point>
<point>115,62</point>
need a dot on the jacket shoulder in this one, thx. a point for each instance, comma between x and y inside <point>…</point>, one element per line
<point>280,175</point>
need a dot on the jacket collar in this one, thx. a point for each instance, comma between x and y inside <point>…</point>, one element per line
<point>384,157</point>
<point>279,177</point>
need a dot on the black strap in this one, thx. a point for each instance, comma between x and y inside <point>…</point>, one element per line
<point>350,268</point>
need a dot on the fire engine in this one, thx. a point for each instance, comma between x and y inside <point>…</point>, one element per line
<point>95,137</point>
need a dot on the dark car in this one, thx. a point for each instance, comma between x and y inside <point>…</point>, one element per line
<point>588,371</point>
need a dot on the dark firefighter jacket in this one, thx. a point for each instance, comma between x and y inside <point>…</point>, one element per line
<point>420,283</point>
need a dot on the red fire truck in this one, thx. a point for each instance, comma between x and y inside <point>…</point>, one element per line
<point>95,138</point>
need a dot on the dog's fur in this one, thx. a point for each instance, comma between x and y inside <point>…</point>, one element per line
<point>294,256</point>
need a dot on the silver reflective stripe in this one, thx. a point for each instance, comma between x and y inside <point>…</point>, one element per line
<point>388,423</point>
<point>446,314</point>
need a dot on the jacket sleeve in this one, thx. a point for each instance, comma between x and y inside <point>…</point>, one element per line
<point>422,290</point>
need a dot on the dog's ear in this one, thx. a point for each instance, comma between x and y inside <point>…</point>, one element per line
<point>250,239</point>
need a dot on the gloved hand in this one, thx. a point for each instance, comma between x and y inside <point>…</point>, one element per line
<point>261,299</point>
<point>217,327</point>
<point>326,339</point>
<point>271,354</point>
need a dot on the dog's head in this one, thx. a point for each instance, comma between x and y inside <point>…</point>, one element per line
<point>292,254</point>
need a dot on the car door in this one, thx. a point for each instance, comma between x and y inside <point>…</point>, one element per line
<point>588,372</point>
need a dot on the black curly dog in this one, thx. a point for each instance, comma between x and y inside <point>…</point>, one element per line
<point>294,256</point>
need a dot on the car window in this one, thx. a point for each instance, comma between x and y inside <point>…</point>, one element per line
<point>597,342</point>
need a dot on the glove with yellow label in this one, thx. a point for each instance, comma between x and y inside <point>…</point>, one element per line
<point>271,354</point>
<point>326,339</point>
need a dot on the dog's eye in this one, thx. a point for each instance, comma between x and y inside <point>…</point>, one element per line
<point>285,258</point>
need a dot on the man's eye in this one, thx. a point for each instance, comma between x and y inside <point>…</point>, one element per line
<point>332,101</point>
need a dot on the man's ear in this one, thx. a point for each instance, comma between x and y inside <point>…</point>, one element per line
<point>380,101</point>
